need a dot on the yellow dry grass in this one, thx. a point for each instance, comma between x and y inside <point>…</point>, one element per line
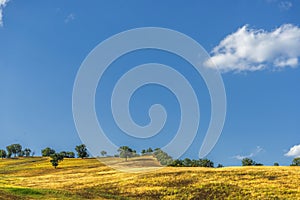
<point>35,178</point>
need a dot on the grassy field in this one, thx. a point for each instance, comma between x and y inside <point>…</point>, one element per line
<point>35,178</point>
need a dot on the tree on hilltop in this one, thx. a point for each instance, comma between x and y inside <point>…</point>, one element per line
<point>27,152</point>
<point>47,151</point>
<point>81,151</point>
<point>15,149</point>
<point>248,162</point>
<point>103,153</point>
<point>125,152</point>
<point>3,153</point>
<point>67,154</point>
<point>55,159</point>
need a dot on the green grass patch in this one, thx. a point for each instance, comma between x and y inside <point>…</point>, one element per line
<point>24,193</point>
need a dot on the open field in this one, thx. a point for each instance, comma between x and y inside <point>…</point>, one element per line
<point>35,178</point>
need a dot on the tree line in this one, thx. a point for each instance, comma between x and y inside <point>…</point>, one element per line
<point>166,160</point>
<point>16,150</point>
<point>126,152</point>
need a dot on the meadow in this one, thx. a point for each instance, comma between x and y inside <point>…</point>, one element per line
<point>35,178</point>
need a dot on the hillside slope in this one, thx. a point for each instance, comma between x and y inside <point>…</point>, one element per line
<point>35,178</point>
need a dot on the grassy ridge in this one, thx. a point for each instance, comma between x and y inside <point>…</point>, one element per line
<point>34,178</point>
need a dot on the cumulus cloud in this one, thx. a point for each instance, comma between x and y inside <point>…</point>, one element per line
<point>254,153</point>
<point>2,5</point>
<point>294,151</point>
<point>252,50</point>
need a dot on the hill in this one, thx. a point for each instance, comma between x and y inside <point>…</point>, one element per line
<point>35,178</point>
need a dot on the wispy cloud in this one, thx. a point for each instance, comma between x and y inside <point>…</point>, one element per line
<point>2,5</point>
<point>254,153</point>
<point>294,151</point>
<point>285,5</point>
<point>252,50</point>
<point>69,18</point>
<point>282,5</point>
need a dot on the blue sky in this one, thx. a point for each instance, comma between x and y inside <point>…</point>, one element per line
<point>43,43</point>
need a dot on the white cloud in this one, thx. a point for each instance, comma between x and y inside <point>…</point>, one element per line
<point>282,5</point>
<point>252,50</point>
<point>2,5</point>
<point>69,18</point>
<point>285,5</point>
<point>294,151</point>
<point>254,153</point>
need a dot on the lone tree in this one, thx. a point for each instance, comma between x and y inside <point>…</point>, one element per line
<point>296,162</point>
<point>27,152</point>
<point>248,162</point>
<point>220,166</point>
<point>81,151</point>
<point>103,153</point>
<point>55,159</point>
<point>3,154</point>
<point>15,149</point>
<point>143,152</point>
<point>276,164</point>
<point>125,152</point>
<point>48,151</point>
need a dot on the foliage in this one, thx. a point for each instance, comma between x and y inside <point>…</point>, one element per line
<point>187,162</point>
<point>176,163</point>
<point>27,152</point>
<point>81,151</point>
<point>3,153</point>
<point>276,164</point>
<point>67,154</point>
<point>47,151</point>
<point>248,162</point>
<point>162,157</point>
<point>103,153</point>
<point>143,152</point>
<point>296,162</point>
<point>258,164</point>
<point>148,151</point>
<point>220,166</point>
<point>206,163</point>
<point>192,163</point>
<point>15,149</point>
<point>126,152</point>
<point>55,159</point>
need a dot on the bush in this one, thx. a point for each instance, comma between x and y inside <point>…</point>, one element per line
<point>248,162</point>
<point>220,166</point>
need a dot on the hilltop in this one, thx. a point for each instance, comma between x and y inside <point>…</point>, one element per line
<point>35,178</point>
